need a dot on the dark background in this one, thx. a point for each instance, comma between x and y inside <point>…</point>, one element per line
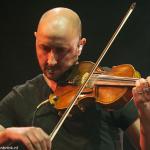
<point>100,18</point>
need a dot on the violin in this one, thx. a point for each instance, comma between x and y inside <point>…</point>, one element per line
<point>111,88</point>
<point>101,93</point>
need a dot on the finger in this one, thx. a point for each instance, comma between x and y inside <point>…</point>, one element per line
<point>49,144</point>
<point>142,88</point>
<point>47,141</point>
<point>145,89</point>
<point>148,80</point>
<point>140,84</point>
<point>14,136</point>
<point>146,92</point>
<point>140,102</point>
<point>138,97</point>
<point>26,142</point>
<point>42,137</point>
<point>34,140</point>
<point>145,83</point>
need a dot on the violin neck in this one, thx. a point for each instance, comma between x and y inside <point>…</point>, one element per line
<point>115,80</point>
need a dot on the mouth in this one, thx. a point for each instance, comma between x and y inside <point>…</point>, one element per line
<point>50,71</point>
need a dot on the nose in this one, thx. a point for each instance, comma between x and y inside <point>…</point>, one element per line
<point>51,60</point>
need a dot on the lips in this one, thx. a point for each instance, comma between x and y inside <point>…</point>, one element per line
<point>50,71</point>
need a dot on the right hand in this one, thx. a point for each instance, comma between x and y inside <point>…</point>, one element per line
<point>33,138</point>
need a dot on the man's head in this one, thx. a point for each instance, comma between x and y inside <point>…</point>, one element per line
<point>58,41</point>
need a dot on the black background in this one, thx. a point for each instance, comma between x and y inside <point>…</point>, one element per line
<point>100,18</point>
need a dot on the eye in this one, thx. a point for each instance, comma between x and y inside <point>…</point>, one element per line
<point>44,48</point>
<point>61,50</point>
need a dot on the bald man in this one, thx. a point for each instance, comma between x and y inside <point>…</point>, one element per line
<point>58,46</point>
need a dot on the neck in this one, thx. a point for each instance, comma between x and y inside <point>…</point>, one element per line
<point>51,83</point>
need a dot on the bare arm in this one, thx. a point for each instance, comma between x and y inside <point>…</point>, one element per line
<point>33,138</point>
<point>141,94</point>
<point>2,135</point>
<point>133,133</point>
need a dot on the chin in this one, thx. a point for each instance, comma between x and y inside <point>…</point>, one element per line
<point>51,76</point>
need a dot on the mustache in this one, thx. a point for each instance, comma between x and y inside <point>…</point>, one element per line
<point>52,68</point>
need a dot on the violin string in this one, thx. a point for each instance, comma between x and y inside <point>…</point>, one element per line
<point>113,80</point>
<point>108,77</point>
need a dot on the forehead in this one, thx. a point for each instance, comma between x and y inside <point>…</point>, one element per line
<point>55,38</point>
<point>58,29</point>
<point>52,41</point>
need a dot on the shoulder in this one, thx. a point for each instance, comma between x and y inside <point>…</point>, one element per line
<point>30,84</point>
<point>31,89</point>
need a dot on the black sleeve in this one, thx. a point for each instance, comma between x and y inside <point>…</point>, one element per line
<point>125,116</point>
<point>7,112</point>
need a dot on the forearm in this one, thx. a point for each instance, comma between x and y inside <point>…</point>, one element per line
<point>3,138</point>
<point>145,137</point>
<point>133,133</point>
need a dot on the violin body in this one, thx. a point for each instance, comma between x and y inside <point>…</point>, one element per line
<point>114,97</point>
<point>109,96</point>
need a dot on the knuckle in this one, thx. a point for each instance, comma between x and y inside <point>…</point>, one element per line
<point>39,129</point>
<point>47,138</point>
<point>27,144</point>
<point>36,142</point>
<point>43,139</point>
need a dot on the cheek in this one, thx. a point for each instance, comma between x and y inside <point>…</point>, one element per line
<point>71,56</point>
<point>41,58</point>
<point>68,60</point>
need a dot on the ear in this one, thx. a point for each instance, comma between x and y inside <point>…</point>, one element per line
<point>80,47</point>
<point>82,43</point>
<point>35,34</point>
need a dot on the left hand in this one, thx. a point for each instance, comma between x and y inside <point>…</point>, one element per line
<point>141,95</point>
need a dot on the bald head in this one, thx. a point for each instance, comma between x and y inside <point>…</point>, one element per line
<point>61,21</point>
<point>58,41</point>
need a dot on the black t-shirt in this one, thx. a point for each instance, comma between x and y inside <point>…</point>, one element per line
<point>94,129</point>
